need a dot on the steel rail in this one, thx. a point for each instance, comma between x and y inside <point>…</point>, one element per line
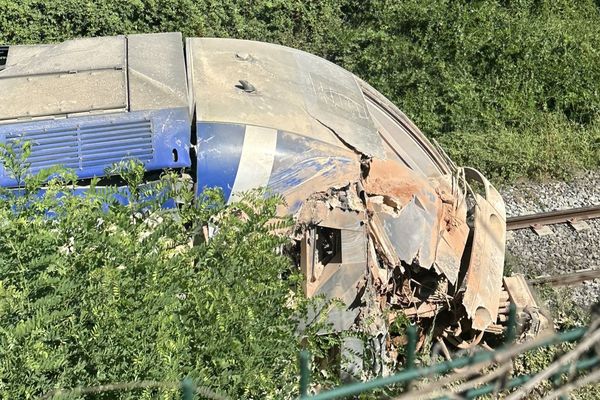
<point>552,217</point>
<point>568,279</point>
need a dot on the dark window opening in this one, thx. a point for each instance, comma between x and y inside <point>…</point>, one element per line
<point>329,245</point>
<point>3,56</point>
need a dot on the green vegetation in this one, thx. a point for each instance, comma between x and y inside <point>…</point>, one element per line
<point>95,292</point>
<point>510,87</point>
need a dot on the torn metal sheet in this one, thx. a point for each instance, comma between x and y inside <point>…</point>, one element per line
<point>410,232</point>
<point>303,166</point>
<point>483,279</point>
<point>238,158</point>
<point>454,231</point>
<point>450,250</point>
<point>411,216</point>
<point>333,260</point>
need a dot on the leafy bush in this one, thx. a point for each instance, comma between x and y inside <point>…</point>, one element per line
<point>93,291</point>
<point>509,87</point>
<point>469,73</point>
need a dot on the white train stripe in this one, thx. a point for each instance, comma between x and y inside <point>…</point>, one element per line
<point>256,162</point>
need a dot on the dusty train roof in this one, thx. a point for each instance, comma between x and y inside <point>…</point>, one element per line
<point>227,81</point>
<point>103,74</point>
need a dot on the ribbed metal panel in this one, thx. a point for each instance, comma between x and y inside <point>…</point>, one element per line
<point>90,146</point>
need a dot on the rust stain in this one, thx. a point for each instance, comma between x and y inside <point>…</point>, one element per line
<point>389,178</point>
<point>394,188</point>
<point>454,233</point>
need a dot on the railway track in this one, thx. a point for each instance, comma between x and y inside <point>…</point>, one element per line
<point>570,279</point>
<point>571,216</point>
<point>553,217</point>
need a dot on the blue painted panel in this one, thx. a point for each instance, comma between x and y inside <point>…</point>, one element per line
<point>160,139</point>
<point>301,165</point>
<point>219,152</point>
<point>304,166</point>
<point>120,194</point>
<point>300,158</point>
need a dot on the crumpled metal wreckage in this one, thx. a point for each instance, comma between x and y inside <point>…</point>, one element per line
<point>385,222</point>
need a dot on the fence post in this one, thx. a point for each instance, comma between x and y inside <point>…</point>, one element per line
<point>304,373</point>
<point>411,349</point>
<point>511,327</point>
<point>556,383</point>
<point>187,389</point>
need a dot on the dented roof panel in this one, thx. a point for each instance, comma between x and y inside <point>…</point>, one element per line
<point>290,91</point>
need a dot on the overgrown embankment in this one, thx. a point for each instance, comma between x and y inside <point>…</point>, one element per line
<point>95,292</point>
<point>510,87</point>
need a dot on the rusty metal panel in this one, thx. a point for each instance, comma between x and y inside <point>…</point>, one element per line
<point>454,229</point>
<point>490,193</point>
<point>483,280</point>
<point>408,213</point>
<point>450,250</point>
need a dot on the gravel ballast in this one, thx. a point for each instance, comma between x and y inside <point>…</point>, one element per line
<point>566,250</point>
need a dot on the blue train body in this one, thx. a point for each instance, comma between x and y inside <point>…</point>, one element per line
<point>376,203</point>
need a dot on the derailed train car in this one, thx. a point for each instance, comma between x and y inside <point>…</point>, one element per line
<point>385,222</point>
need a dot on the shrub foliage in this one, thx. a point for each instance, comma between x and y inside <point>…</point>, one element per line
<point>492,80</point>
<point>93,291</point>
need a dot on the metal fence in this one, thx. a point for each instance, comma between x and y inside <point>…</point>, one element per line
<point>565,373</point>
